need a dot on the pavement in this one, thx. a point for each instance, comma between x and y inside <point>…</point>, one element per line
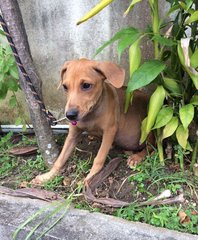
<point>76,224</point>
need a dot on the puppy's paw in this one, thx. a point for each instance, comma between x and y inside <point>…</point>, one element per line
<point>87,180</point>
<point>133,160</point>
<point>41,179</point>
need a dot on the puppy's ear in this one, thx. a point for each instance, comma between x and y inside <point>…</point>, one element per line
<point>112,72</point>
<point>63,70</point>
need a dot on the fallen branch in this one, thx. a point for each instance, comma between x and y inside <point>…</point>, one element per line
<point>102,175</point>
<point>177,199</point>
<point>31,193</point>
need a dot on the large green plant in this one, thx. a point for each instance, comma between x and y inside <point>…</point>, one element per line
<point>9,77</point>
<point>173,106</point>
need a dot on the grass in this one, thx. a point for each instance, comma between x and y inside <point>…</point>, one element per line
<point>163,216</point>
<point>148,180</point>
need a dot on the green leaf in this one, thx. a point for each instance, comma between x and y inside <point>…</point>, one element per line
<point>1,77</point>
<point>134,56</point>
<point>189,3</point>
<point>133,2</point>
<point>12,84</point>
<point>14,72</point>
<point>155,104</point>
<point>170,128</point>
<point>5,68</point>
<point>163,117</point>
<point>192,18</point>
<point>117,36</point>
<point>164,41</point>
<point>186,114</point>
<point>172,85</point>
<point>126,41</point>
<point>144,134</point>
<point>145,74</point>
<point>18,121</point>
<point>173,9</point>
<point>2,32</point>
<point>194,59</point>
<point>182,136</point>
<point>10,60</point>
<point>188,147</point>
<point>194,100</point>
<point>102,4</point>
<point>13,101</point>
<point>3,90</point>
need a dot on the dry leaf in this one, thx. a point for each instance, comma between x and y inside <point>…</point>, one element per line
<point>31,193</point>
<point>67,181</point>
<point>183,217</point>
<point>27,150</point>
<point>24,184</point>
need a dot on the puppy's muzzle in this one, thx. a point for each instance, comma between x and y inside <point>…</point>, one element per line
<point>72,114</point>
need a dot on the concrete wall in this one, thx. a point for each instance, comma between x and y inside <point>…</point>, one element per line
<point>54,38</point>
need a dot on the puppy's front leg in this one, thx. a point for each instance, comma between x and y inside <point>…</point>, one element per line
<point>67,149</point>
<point>107,140</point>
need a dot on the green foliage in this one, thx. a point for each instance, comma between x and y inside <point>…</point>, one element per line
<point>161,217</point>
<point>31,165</point>
<point>9,80</point>
<point>174,69</point>
<point>145,74</point>
<point>150,178</point>
<point>10,163</point>
<point>163,117</point>
<point>125,38</point>
<point>8,74</point>
<point>7,162</point>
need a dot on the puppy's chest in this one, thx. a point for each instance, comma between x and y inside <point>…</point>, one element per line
<point>91,127</point>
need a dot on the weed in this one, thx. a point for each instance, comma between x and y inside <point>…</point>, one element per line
<point>7,165</point>
<point>5,142</point>
<point>51,185</point>
<point>165,216</point>
<point>150,179</point>
<point>28,168</point>
<point>7,162</point>
<point>84,205</point>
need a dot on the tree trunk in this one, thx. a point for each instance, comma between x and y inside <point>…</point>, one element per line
<point>12,15</point>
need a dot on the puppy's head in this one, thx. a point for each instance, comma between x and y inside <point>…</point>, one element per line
<point>83,82</point>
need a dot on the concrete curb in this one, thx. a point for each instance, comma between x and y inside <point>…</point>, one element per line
<point>77,224</point>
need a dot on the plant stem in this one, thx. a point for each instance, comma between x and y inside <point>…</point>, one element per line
<point>155,25</point>
<point>194,155</point>
<point>160,147</point>
<point>181,160</point>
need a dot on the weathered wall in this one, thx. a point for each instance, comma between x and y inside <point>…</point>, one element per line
<point>54,38</point>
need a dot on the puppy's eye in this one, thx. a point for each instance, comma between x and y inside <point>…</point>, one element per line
<point>86,86</point>
<point>65,87</point>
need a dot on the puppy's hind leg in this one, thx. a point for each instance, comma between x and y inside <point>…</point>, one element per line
<point>137,157</point>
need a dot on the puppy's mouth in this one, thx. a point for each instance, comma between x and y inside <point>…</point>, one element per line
<point>75,119</point>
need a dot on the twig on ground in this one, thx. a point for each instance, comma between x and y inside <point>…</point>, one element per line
<point>178,199</point>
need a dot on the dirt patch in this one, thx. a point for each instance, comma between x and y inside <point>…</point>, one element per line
<point>140,184</point>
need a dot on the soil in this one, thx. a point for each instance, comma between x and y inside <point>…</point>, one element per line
<point>115,186</point>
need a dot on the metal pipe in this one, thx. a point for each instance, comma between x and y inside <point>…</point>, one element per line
<point>19,128</point>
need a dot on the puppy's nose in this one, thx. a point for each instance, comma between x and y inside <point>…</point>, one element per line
<point>72,114</point>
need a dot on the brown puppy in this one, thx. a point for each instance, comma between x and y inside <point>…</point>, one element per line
<point>96,106</point>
